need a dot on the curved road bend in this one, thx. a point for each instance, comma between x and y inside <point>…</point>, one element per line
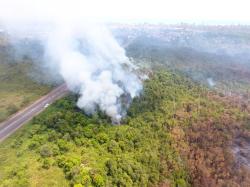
<point>20,118</point>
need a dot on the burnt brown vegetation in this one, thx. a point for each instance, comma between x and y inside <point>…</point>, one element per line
<point>210,158</point>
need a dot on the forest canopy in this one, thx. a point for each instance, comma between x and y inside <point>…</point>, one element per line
<point>153,146</point>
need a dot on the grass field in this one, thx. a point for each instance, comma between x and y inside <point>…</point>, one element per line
<point>17,90</point>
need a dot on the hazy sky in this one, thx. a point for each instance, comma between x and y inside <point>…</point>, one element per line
<point>194,11</point>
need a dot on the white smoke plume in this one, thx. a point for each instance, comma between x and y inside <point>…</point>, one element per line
<point>211,82</point>
<point>83,52</point>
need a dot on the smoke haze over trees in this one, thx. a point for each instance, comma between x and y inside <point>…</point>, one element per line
<point>83,53</point>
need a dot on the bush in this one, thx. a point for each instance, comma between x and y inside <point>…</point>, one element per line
<point>113,147</point>
<point>16,143</point>
<point>26,101</point>
<point>33,145</point>
<point>63,145</point>
<point>102,138</point>
<point>46,151</point>
<point>46,163</point>
<point>97,180</point>
<point>12,109</point>
<point>67,163</point>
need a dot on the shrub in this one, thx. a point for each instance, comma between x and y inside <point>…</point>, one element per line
<point>46,163</point>
<point>46,151</point>
<point>67,163</point>
<point>12,109</point>
<point>102,138</point>
<point>63,145</point>
<point>97,180</point>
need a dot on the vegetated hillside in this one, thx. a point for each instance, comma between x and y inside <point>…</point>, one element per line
<point>229,73</point>
<point>176,134</point>
<point>17,89</point>
<point>22,79</point>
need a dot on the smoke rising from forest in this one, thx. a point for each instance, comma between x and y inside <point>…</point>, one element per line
<point>83,52</point>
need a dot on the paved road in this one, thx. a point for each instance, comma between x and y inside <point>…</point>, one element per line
<point>19,119</point>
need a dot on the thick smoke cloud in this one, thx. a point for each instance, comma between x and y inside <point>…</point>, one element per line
<point>86,55</point>
<point>92,62</point>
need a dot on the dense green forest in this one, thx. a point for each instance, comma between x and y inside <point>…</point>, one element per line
<point>165,140</point>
